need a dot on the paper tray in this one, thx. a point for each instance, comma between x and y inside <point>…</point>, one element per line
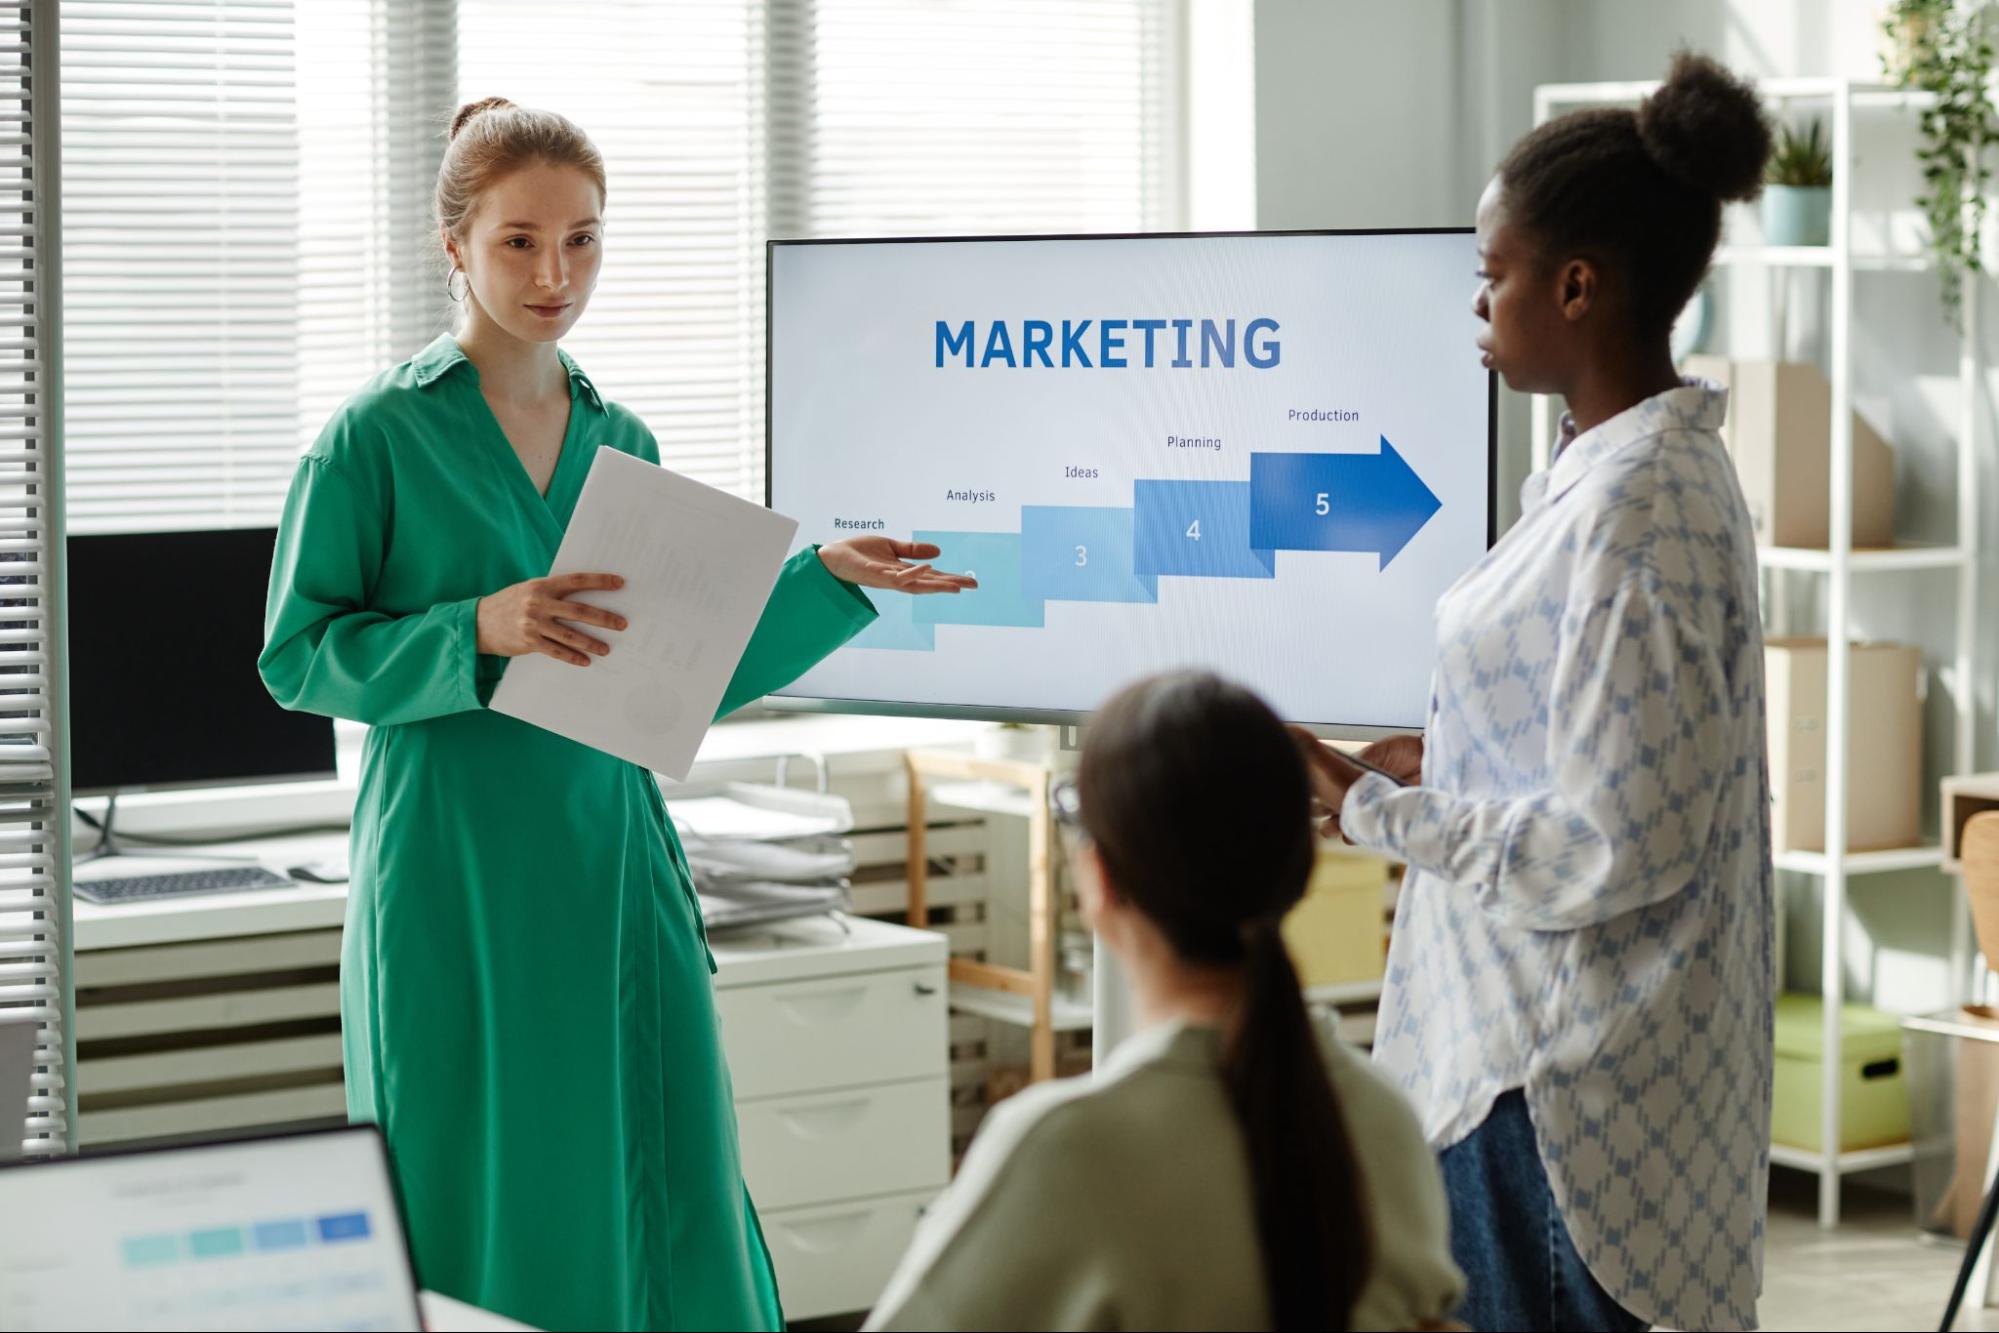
<point>806,861</point>
<point>756,904</point>
<point>753,812</point>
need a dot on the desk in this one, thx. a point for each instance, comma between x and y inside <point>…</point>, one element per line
<point>221,1012</point>
<point>441,1314</point>
<point>201,916</point>
<point>852,747</point>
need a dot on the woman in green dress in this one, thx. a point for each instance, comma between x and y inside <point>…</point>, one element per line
<point>526,1002</point>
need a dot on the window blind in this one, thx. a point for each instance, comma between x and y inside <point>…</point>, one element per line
<point>375,80</point>
<point>34,805</point>
<point>672,96</point>
<point>950,117</point>
<point>247,227</point>
<point>723,122</point>
<point>181,252</point>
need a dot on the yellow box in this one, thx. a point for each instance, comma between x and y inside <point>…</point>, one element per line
<point>1335,932</point>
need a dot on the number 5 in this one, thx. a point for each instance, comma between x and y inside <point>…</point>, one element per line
<point>1325,504</point>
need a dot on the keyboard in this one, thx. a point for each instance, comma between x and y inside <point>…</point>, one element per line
<point>135,888</point>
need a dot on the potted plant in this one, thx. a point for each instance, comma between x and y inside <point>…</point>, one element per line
<point>1946,50</point>
<point>1014,740</point>
<point>1904,28</point>
<point>1797,189</point>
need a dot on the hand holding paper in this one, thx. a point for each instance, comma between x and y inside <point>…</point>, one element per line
<point>697,566</point>
<point>693,569</point>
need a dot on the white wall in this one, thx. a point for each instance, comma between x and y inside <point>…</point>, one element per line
<point>1387,115</point>
<point>1356,124</point>
<point>1373,115</point>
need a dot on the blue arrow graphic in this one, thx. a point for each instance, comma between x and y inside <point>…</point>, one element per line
<point>1337,502</point>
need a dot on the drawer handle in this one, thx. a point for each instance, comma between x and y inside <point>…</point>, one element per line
<point>925,988</point>
<point>824,1121</point>
<point>821,1006</point>
<point>827,1235</point>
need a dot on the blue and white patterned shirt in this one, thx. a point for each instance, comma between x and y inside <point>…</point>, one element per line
<point>1588,911</point>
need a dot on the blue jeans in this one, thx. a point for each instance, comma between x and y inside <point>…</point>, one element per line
<point>1521,1268</point>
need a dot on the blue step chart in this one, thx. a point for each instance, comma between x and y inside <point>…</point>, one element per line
<point>1355,503</point>
<point>1264,455</point>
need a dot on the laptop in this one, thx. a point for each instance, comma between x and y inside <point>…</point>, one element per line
<point>289,1231</point>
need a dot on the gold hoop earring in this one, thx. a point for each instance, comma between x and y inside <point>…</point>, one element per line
<point>455,293</point>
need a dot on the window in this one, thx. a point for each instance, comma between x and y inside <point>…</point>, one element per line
<point>243,223</point>
<point>723,122</point>
<point>34,811</point>
<point>247,217</point>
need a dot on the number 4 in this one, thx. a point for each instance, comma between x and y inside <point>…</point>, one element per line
<point>1194,529</point>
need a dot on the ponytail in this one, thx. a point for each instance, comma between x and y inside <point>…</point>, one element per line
<point>1196,800</point>
<point>1316,1259</point>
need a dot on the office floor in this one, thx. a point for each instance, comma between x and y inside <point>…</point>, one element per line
<point>1872,1273</point>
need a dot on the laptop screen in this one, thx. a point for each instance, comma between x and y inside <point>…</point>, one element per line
<point>299,1231</point>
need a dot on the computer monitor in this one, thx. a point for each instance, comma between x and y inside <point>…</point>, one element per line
<point>19,1039</point>
<point>1263,454</point>
<point>164,633</point>
<point>293,1231</point>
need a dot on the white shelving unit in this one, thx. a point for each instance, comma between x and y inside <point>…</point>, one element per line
<point>1838,101</point>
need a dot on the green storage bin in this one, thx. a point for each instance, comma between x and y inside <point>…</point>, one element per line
<point>1874,1097</point>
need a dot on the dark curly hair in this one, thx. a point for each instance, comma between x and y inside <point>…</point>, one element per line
<point>1641,191</point>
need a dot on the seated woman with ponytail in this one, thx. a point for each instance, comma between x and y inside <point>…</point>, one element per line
<point>1232,1165</point>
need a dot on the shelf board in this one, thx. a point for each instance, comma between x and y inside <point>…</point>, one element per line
<point>993,798</point>
<point>1861,1159</point>
<point>1870,96</point>
<point>1863,863</point>
<point>1006,1007</point>
<point>1883,560</point>
<point>1344,992</point>
<point>1818,256</point>
<point>1777,256</point>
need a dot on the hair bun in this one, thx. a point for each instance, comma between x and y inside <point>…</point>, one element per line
<point>471,109</point>
<point>1706,129</point>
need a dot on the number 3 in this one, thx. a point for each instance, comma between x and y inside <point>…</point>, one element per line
<point>1082,556</point>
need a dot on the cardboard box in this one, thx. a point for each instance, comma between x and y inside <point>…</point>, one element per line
<point>1779,432</point>
<point>1884,769</point>
<point>1336,932</point>
<point>1964,795</point>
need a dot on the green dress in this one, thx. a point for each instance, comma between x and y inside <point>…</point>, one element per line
<point>526,1002</point>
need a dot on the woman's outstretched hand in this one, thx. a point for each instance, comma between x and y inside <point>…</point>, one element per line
<point>883,562</point>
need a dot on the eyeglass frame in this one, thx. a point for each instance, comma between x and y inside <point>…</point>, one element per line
<point>1065,803</point>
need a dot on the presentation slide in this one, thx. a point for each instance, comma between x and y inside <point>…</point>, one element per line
<point>1264,455</point>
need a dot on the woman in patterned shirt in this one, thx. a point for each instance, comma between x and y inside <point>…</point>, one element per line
<point>1578,998</point>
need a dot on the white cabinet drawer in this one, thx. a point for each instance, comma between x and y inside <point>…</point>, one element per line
<point>837,1259</point>
<point>839,1145</point>
<point>834,1032</point>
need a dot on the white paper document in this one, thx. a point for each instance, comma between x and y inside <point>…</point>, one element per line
<point>698,566</point>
